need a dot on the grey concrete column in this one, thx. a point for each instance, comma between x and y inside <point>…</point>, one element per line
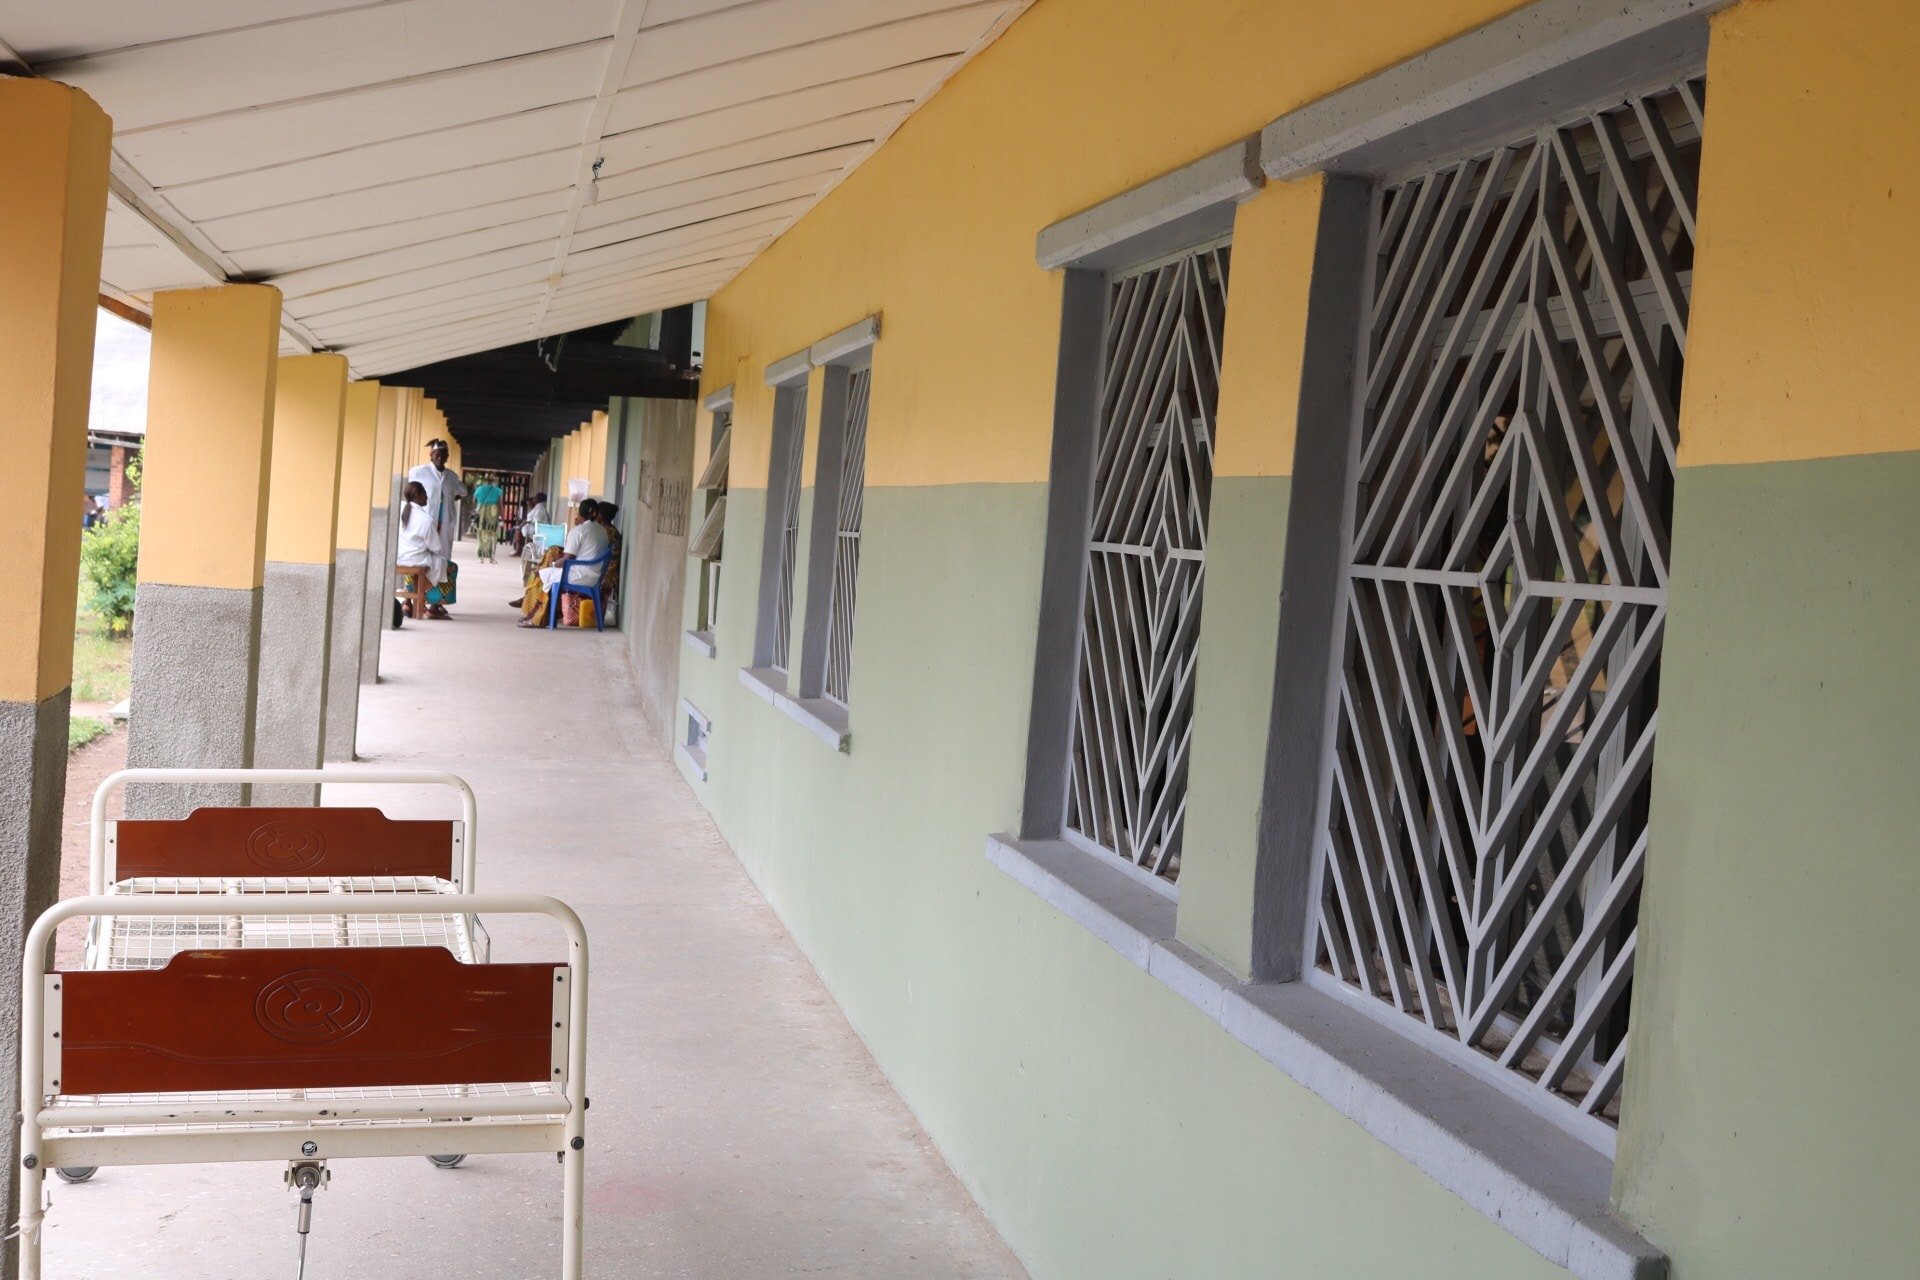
<point>196,656</point>
<point>377,614</point>
<point>343,661</point>
<point>296,607</point>
<point>33,787</point>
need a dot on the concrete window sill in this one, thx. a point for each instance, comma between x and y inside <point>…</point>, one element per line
<point>695,761</point>
<point>1547,1188</point>
<point>700,642</point>
<point>824,719</point>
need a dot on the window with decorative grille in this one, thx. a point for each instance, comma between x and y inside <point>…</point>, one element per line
<point>1146,557</point>
<point>846,538</point>
<point>1505,566</point>
<point>783,513</point>
<point>707,542</point>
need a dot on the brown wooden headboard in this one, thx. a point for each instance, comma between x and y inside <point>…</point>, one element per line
<point>284,842</point>
<point>306,1018</point>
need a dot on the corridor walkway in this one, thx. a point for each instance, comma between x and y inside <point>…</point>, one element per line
<point>739,1128</point>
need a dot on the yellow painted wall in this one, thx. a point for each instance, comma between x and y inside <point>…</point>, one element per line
<point>308,408</point>
<point>359,425</point>
<point>54,143</point>
<point>937,229</point>
<point>1811,168</point>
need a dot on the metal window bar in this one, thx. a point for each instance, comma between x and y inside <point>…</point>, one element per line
<point>787,510</point>
<point>1485,822</point>
<point>1140,614</point>
<point>846,540</point>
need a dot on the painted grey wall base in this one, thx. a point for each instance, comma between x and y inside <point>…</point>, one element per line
<point>296,605</point>
<point>343,663</point>
<point>33,785</point>
<point>379,587</point>
<point>196,661</point>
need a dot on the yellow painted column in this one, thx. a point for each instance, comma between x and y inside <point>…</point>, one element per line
<point>352,509</point>
<point>378,586</point>
<point>203,522</point>
<point>296,602</point>
<point>53,198</point>
<point>597,477</point>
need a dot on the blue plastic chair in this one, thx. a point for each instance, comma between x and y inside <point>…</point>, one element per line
<point>591,590</point>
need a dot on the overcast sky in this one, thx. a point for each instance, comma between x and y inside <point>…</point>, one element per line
<point>119,375</point>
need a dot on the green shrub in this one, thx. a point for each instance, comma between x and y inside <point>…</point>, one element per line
<point>109,557</point>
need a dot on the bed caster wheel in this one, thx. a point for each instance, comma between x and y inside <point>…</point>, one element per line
<point>79,1173</point>
<point>438,1162</point>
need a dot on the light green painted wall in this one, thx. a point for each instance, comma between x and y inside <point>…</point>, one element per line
<point>1233,706</point>
<point>1775,1020</point>
<point>1108,1128</point>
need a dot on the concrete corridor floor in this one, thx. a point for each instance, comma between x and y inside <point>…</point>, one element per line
<point>739,1127</point>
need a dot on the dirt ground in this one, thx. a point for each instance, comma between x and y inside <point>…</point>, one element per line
<point>86,769</point>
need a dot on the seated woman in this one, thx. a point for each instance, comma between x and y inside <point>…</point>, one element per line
<point>586,540</point>
<point>416,539</point>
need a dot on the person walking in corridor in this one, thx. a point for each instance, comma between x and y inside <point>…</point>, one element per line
<point>486,502</point>
<point>444,491</point>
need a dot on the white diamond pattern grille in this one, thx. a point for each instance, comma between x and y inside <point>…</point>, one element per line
<point>846,539</point>
<point>1506,593</point>
<point>1153,477</point>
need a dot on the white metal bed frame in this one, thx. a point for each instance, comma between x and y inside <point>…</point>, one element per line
<point>295,1125</point>
<point>126,940</point>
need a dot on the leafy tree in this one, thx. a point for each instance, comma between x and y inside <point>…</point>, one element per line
<point>109,557</point>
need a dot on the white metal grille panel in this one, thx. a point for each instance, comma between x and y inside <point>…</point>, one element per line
<point>787,511</point>
<point>846,538</point>
<point>1140,616</point>
<point>1506,593</point>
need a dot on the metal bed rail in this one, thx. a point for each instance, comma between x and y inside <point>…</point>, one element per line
<point>288,1122</point>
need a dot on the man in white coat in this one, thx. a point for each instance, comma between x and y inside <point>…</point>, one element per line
<point>444,491</point>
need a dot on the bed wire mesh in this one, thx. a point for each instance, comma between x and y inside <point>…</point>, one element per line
<point>846,538</point>
<point>148,942</point>
<point>1506,593</point>
<point>1140,614</point>
<point>791,409</point>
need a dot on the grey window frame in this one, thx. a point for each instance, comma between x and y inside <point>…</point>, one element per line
<point>841,357</point>
<point>779,558</point>
<point>1174,216</point>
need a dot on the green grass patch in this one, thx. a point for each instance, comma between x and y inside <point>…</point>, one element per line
<point>84,729</point>
<point>102,661</point>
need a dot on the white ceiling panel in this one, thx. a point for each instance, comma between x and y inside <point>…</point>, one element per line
<point>144,268</point>
<point>676,195</point>
<point>250,140</point>
<point>552,131</point>
<point>758,118</point>
<point>786,70</point>
<point>195,77</point>
<point>396,204</point>
<point>856,133</point>
<point>776,195</point>
<point>291,255</point>
<point>731,35</point>
<point>418,176</point>
<point>46,34</point>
